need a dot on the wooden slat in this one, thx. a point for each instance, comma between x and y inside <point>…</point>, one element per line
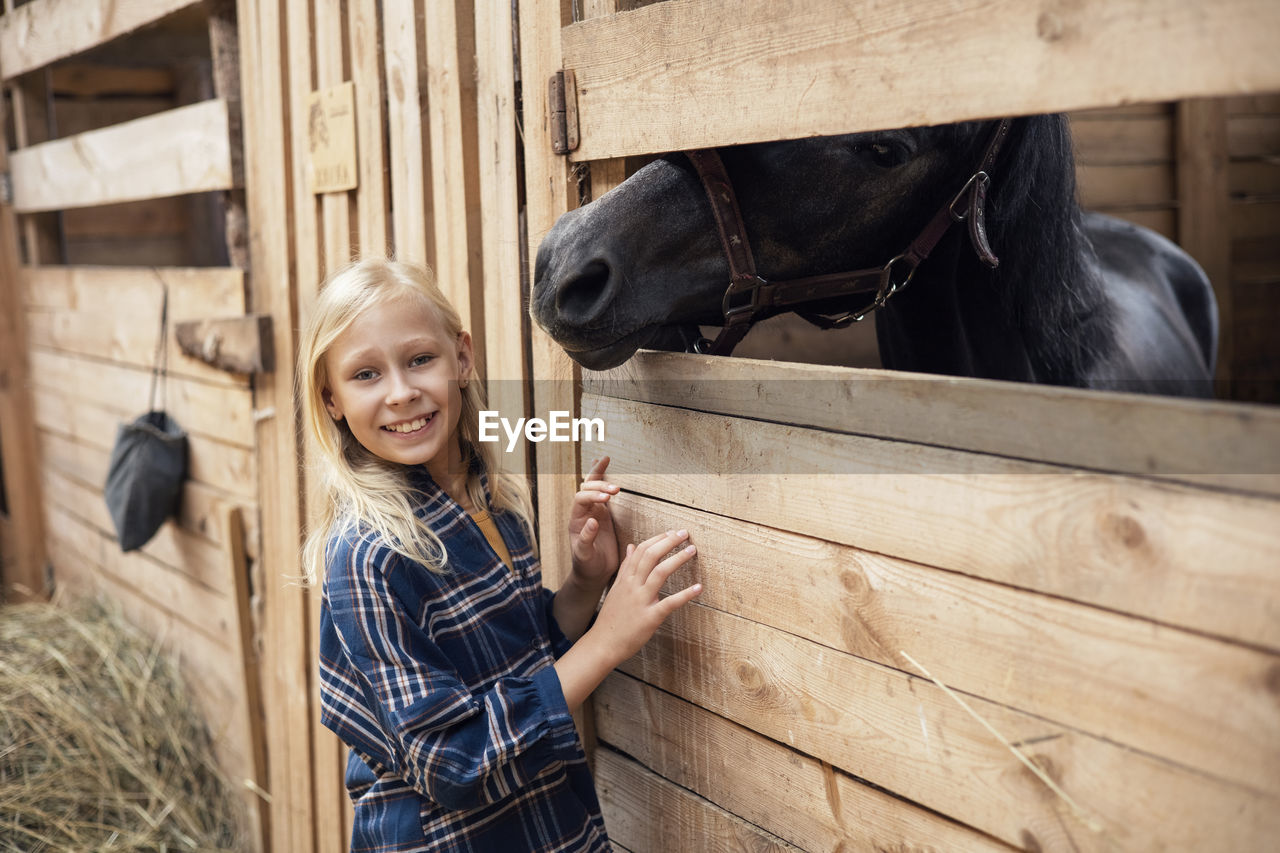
<point>93,80</point>
<point>649,813</point>
<point>1170,553</point>
<point>409,145</point>
<point>505,342</point>
<point>793,796</point>
<point>905,735</point>
<point>547,187</point>
<point>366,70</point>
<point>1227,445</point>
<point>44,31</point>
<point>23,572</point>
<point>1127,141</point>
<point>451,111</point>
<point>113,313</point>
<point>1254,136</point>
<point>216,411</point>
<point>224,466</point>
<point>287,655</point>
<point>688,74</point>
<point>1204,207</point>
<point>1112,186</point>
<point>1200,702</point>
<point>185,150</point>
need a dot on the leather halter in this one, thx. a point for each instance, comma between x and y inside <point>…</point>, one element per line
<point>749,296</point>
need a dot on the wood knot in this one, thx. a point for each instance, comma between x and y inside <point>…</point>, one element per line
<point>751,679</point>
<point>1126,530</point>
<point>1049,27</point>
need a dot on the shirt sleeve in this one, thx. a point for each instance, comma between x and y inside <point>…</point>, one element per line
<point>458,748</point>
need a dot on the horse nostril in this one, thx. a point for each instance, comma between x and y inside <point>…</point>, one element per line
<point>584,294</point>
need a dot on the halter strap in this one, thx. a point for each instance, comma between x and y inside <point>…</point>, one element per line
<point>748,295</point>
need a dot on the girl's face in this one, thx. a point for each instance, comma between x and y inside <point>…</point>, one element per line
<point>393,374</point>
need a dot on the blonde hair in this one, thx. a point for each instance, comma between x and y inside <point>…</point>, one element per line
<point>365,489</point>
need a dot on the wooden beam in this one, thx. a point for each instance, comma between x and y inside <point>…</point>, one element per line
<point>689,74</point>
<point>1204,207</point>
<point>506,344</point>
<point>1226,445</point>
<point>234,344</point>
<point>412,228</point>
<point>647,812</point>
<point>366,69</point>
<point>903,734</point>
<point>794,796</point>
<point>1199,702</point>
<point>1170,553</point>
<point>44,31</point>
<point>288,658</point>
<point>184,150</point>
<point>23,574</point>
<point>547,191</point>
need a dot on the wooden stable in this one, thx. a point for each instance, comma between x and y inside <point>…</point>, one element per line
<point>1095,575</point>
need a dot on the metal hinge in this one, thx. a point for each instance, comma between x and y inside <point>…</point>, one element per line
<point>6,188</point>
<point>562,105</point>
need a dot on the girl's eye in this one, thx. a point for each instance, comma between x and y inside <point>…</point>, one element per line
<point>363,375</point>
<point>420,360</point>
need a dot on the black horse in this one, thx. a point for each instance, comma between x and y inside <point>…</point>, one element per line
<point>1077,298</point>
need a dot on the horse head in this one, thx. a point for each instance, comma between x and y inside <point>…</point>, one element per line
<point>643,264</point>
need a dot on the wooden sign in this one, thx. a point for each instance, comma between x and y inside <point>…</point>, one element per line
<point>331,131</point>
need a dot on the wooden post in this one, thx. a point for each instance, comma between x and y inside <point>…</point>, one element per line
<point>287,656</point>
<point>23,578</point>
<point>1204,206</point>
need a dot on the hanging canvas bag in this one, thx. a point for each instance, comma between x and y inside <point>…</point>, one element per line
<point>148,462</point>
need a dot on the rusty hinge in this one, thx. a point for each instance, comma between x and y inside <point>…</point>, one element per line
<point>562,105</point>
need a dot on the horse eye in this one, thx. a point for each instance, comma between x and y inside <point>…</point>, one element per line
<point>887,155</point>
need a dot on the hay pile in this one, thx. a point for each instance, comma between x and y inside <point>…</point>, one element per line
<point>100,747</point>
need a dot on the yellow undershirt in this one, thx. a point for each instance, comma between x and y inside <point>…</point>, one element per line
<point>490,530</point>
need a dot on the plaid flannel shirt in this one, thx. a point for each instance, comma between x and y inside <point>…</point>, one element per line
<point>443,687</point>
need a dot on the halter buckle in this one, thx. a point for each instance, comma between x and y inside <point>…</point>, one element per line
<point>732,303</point>
<point>979,176</point>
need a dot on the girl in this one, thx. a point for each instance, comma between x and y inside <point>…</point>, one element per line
<point>445,666</point>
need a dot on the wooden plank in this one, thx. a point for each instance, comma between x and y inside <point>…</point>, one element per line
<point>287,657</point>
<point>1204,207</point>
<point>95,80</point>
<point>234,344</point>
<point>1255,178</point>
<point>98,311</point>
<point>209,461</point>
<point>1259,220</point>
<point>451,110</point>
<point>751,776</point>
<point>1199,702</point>
<point>687,74</point>
<point>330,71</point>
<point>73,117</point>
<point>1134,140</point>
<point>184,150</point>
<point>413,232</point>
<point>507,370</point>
<point>903,734</point>
<point>547,188</point>
<point>1225,445</point>
<point>1254,135</point>
<point>366,70</point>
<point>1115,186</point>
<point>1166,552</point>
<point>217,412</point>
<point>44,31</point>
<point>33,120</point>
<point>22,576</point>
<point>157,217</point>
<point>632,800</point>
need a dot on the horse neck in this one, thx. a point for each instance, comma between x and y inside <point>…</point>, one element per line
<point>1036,317</point>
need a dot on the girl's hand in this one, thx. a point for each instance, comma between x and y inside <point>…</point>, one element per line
<point>594,542</point>
<point>633,610</point>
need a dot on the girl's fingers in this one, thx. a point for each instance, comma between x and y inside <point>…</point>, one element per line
<point>598,467</point>
<point>676,600</point>
<point>668,567</point>
<point>590,528</point>
<point>653,548</point>
<point>599,486</point>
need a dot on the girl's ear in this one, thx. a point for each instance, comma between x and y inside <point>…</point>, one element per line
<point>465,358</point>
<point>334,410</point>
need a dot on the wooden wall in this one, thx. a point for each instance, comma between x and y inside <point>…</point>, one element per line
<point>1053,557</point>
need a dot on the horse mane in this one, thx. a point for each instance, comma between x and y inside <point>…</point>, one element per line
<point>1034,226</point>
